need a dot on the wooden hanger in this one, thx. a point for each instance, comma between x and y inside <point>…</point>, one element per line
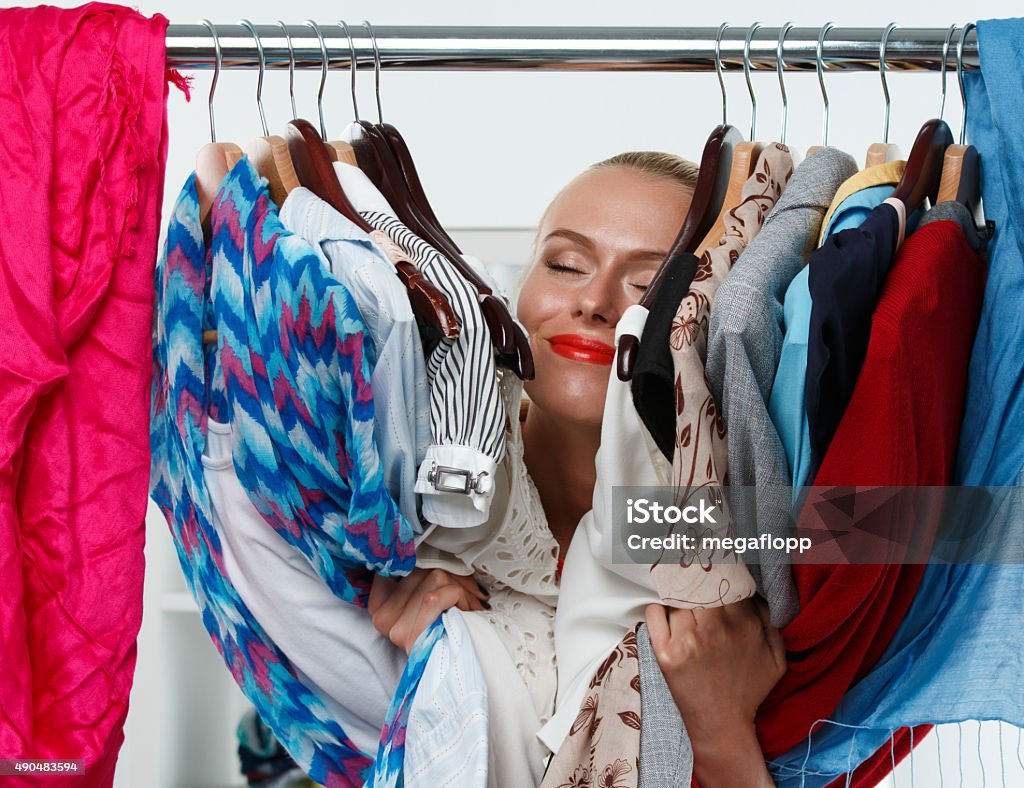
<point>712,183</point>
<point>961,176</point>
<point>924,165</point>
<point>213,162</point>
<point>339,150</point>
<point>880,153</point>
<point>744,159</point>
<point>376,159</point>
<point>269,153</point>
<point>819,67</point>
<point>271,159</point>
<point>961,165</point>
<point>313,164</point>
<point>412,179</point>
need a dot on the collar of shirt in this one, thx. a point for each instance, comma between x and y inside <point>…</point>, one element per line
<point>887,174</point>
<point>364,196</point>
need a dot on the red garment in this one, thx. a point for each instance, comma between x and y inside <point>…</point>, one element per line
<point>83,132</point>
<point>901,428</point>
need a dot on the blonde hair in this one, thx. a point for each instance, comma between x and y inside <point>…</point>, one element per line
<point>647,162</point>
<point>650,162</point>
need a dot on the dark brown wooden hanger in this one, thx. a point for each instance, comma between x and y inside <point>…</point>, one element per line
<point>708,196</point>
<point>412,179</point>
<point>316,172</point>
<point>493,309</point>
<point>378,161</point>
<point>923,172</point>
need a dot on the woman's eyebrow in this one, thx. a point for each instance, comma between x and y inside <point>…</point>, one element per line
<point>644,254</point>
<point>570,235</point>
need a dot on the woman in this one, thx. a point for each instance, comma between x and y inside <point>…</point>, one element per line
<point>598,246</point>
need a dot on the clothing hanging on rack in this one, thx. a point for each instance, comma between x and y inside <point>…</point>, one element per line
<point>85,136</point>
<point>788,399</point>
<point>466,416</point>
<point>912,421</point>
<point>955,655</point>
<point>845,280</point>
<point>745,339</point>
<point>399,382</point>
<point>183,374</point>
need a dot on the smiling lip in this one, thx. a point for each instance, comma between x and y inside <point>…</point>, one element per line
<point>580,348</point>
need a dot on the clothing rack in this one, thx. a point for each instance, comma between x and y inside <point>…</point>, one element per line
<point>436,48</point>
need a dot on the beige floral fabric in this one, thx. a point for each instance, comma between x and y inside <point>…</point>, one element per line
<point>700,577</point>
<point>602,749</point>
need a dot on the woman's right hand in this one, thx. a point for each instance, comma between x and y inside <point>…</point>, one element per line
<point>401,609</point>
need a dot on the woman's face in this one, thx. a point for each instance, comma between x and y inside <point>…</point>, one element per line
<point>598,246</point>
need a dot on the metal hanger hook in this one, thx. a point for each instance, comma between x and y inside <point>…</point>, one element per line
<point>883,45</point>
<point>376,68</point>
<point>291,67</point>
<point>217,60</point>
<point>718,70</point>
<point>259,81</point>
<point>352,66</point>
<point>780,67</point>
<point>820,67</point>
<point>323,75</point>
<point>960,77</point>
<point>942,68</point>
<point>746,73</point>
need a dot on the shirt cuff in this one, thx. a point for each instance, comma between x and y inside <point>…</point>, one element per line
<point>457,483</point>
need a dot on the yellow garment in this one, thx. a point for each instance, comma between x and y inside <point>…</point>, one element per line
<point>887,174</point>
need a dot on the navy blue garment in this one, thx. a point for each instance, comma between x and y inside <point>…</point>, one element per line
<point>654,372</point>
<point>845,277</point>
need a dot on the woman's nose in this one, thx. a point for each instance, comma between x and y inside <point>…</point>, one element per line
<point>597,300</point>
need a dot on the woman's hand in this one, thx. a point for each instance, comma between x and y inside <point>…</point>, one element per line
<point>720,664</point>
<point>402,609</point>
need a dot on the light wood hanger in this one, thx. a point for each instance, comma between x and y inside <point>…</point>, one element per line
<point>881,152</point>
<point>269,154</point>
<point>819,67</point>
<point>215,159</point>
<point>961,166</point>
<point>213,162</point>
<point>744,157</point>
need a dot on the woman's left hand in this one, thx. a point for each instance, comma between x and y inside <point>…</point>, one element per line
<point>720,663</point>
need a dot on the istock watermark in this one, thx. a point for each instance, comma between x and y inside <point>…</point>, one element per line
<point>817,525</point>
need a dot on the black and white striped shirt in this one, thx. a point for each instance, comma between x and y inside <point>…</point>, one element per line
<point>467,417</point>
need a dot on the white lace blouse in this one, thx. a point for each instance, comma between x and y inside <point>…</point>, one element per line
<point>515,557</point>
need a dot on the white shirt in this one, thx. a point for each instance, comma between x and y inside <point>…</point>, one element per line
<point>332,645</point>
<point>400,392</point>
<point>601,598</point>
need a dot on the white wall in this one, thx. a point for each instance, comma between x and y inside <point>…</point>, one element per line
<point>492,149</point>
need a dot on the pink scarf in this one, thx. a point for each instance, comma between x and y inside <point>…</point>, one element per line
<point>83,141</point>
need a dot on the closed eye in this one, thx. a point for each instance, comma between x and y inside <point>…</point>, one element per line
<point>554,265</point>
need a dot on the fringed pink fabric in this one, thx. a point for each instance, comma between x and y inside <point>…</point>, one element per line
<point>83,141</point>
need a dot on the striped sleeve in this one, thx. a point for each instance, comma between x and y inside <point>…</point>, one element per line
<point>467,417</point>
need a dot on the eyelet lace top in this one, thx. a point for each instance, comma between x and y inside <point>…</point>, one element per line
<point>515,557</point>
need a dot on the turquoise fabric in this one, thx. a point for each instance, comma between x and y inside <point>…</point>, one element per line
<point>786,405</point>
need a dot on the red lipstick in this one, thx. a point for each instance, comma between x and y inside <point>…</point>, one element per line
<point>580,348</point>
